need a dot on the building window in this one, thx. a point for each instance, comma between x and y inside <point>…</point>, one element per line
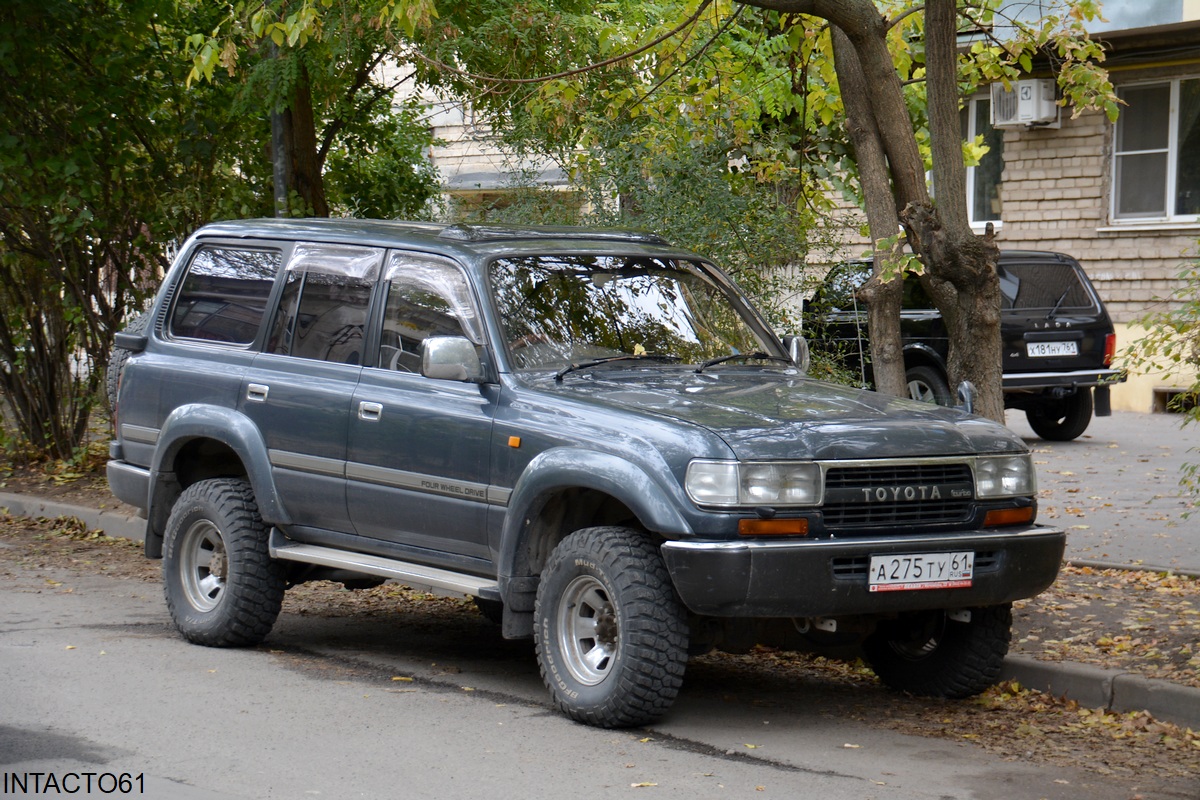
<point>1156,169</point>
<point>983,179</point>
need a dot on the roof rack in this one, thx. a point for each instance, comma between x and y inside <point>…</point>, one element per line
<point>483,233</point>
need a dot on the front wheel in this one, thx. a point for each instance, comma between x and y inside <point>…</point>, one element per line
<point>611,635</point>
<point>222,587</point>
<point>1062,420</point>
<point>940,653</point>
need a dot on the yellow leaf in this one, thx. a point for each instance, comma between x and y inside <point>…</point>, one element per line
<point>752,746</point>
<point>401,678</point>
<point>70,647</point>
<point>852,746</point>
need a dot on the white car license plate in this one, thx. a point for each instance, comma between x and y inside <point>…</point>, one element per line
<point>1051,349</point>
<point>921,571</point>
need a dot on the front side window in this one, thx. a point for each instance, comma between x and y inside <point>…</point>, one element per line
<point>1156,169</point>
<point>426,296</point>
<point>224,295</point>
<point>323,311</point>
<point>557,310</point>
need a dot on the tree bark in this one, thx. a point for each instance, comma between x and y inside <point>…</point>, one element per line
<point>881,298</point>
<point>299,163</point>
<point>961,266</point>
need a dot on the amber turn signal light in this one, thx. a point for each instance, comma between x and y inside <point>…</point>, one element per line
<point>1007,516</point>
<point>773,527</point>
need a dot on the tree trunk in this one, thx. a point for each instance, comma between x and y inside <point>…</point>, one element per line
<point>299,163</point>
<point>961,266</point>
<point>882,298</point>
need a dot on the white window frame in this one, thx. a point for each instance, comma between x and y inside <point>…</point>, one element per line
<point>1172,150</point>
<point>971,106</point>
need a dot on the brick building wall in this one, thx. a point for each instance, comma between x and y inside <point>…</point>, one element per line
<point>1055,196</point>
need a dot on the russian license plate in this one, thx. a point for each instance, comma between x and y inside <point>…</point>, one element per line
<point>1051,349</point>
<point>900,573</point>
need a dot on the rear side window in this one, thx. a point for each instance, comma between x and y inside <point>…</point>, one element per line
<point>323,311</point>
<point>224,295</point>
<point>1047,285</point>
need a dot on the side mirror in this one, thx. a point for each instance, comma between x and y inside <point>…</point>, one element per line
<point>966,396</point>
<point>451,358</point>
<point>798,351</point>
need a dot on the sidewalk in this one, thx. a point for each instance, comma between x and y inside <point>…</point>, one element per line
<point>1116,491</point>
<point>1072,468</point>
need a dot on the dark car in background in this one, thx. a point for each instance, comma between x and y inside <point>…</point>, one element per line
<point>1057,336</point>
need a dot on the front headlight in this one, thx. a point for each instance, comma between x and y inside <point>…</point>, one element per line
<point>1005,476</point>
<point>732,483</point>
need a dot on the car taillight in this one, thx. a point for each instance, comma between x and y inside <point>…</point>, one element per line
<point>1110,349</point>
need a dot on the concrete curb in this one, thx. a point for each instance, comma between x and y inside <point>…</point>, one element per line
<point>1091,687</point>
<point>1110,689</point>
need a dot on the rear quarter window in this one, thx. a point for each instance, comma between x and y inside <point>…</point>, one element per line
<point>223,297</point>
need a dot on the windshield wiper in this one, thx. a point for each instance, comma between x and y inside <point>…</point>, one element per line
<point>712,362</point>
<point>558,376</point>
<point>1058,303</point>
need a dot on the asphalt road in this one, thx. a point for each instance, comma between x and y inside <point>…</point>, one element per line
<point>1116,490</point>
<point>95,681</point>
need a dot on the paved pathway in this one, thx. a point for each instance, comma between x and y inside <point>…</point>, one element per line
<point>1116,490</point>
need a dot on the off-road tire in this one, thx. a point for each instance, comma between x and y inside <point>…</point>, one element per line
<point>927,385</point>
<point>222,587</point>
<point>928,653</point>
<point>1062,420</point>
<point>611,634</point>
<point>117,358</point>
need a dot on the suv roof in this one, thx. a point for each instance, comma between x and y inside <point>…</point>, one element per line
<point>386,231</point>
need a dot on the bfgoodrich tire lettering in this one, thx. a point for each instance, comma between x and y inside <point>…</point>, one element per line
<point>611,635</point>
<point>932,654</point>
<point>222,587</point>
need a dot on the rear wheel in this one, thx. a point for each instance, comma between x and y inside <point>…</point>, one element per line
<point>222,587</point>
<point>939,653</point>
<point>611,635</point>
<point>927,385</point>
<point>1062,420</point>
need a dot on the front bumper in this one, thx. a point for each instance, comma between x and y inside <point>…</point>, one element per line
<point>828,577</point>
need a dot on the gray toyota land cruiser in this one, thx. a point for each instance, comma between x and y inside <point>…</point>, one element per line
<point>591,432</point>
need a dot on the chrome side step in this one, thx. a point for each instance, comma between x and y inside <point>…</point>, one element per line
<point>282,548</point>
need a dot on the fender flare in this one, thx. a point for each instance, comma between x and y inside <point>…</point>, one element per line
<point>188,423</point>
<point>924,354</point>
<point>579,468</point>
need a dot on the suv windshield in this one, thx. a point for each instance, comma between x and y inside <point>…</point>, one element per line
<point>558,310</point>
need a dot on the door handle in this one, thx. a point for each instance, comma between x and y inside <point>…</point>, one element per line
<point>257,392</point>
<point>370,412</point>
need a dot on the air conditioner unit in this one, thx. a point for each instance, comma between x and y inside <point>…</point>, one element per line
<point>1028,102</point>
